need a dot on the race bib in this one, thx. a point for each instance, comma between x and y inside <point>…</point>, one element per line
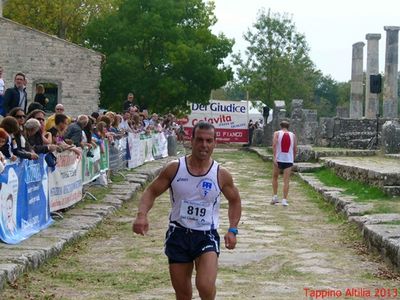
<point>196,212</point>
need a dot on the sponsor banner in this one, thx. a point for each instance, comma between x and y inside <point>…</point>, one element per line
<point>134,150</point>
<point>24,200</point>
<point>160,146</point>
<point>142,148</point>
<point>147,142</point>
<point>230,119</point>
<point>65,183</point>
<point>91,165</point>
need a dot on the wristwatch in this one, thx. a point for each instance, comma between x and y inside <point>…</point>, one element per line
<point>234,230</point>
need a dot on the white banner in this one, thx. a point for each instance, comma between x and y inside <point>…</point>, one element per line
<point>160,146</point>
<point>229,118</point>
<point>65,182</point>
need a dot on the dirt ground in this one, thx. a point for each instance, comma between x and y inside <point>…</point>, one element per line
<point>302,251</point>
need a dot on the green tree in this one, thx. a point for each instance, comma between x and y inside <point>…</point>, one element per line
<point>344,93</point>
<point>276,63</point>
<point>326,96</point>
<point>235,90</point>
<point>163,50</point>
<point>64,18</point>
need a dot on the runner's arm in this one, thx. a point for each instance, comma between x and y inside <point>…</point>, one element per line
<point>274,142</point>
<point>231,193</point>
<point>155,189</point>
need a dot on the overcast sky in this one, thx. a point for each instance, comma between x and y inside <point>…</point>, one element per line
<point>330,27</point>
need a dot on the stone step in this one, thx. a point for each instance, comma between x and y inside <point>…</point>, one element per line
<point>393,190</point>
<point>307,167</point>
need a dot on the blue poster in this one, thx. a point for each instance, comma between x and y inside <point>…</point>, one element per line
<point>24,203</point>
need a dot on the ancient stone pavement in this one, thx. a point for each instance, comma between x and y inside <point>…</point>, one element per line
<point>289,253</point>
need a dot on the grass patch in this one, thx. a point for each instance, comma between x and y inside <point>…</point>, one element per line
<point>384,208</point>
<point>326,207</point>
<point>361,191</point>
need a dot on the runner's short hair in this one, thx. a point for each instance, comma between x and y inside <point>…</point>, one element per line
<point>284,124</point>
<point>203,125</point>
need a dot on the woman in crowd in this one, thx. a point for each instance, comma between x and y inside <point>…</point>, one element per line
<point>14,147</point>
<point>40,116</point>
<point>61,122</point>
<point>19,115</point>
<point>35,137</point>
<point>137,126</point>
<point>40,97</point>
<point>4,137</point>
<point>87,135</point>
<point>109,134</point>
<point>99,134</point>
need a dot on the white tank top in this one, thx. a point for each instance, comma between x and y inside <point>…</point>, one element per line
<point>195,200</point>
<point>284,147</point>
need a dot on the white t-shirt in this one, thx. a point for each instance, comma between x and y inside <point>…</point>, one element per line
<point>195,200</point>
<point>2,86</point>
<point>285,147</point>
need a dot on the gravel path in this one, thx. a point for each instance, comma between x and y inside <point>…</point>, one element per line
<point>290,252</point>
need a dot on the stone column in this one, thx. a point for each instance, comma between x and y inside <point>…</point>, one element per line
<point>371,99</point>
<point>356,89</point>
<point>390,86</point>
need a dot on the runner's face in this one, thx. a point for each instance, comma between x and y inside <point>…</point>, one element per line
<point>203,143</point>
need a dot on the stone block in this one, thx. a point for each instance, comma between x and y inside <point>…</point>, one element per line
<point>391,136</point>
<point>304,153</point>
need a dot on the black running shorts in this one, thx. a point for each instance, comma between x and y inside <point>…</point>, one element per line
<point>183,245</point>
<point>284,165</point>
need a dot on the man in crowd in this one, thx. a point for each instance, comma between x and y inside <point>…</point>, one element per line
<point>129,101</point>
<point>195,184</point>
<point>124,125</point>
<point>284,146</point>
<point>16,96</point>
<point>50,120</point>
<point>74,131</point>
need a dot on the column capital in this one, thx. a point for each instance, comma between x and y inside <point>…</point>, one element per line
<point>392,28</point>
<point>373,36</point>
<point>359,44</point>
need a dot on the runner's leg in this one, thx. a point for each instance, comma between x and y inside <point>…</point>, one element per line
<point>206,275</point>
<point>181,278</point>
<point>275,176</point>
<point>286,178</point>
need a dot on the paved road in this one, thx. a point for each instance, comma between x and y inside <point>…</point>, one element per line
<point>282,253</point>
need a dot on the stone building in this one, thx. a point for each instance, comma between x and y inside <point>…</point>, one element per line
<point>70,73</point>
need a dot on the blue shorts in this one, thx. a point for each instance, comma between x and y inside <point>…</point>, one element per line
<point>284,165</point>
<point>183,245</point>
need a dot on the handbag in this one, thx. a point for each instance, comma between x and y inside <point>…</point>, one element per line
<point>51,160</point>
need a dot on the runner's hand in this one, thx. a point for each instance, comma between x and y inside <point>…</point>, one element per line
<point>140,225</point>
<point>230,240</point>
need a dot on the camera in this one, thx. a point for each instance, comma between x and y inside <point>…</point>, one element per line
<point>90,154</point>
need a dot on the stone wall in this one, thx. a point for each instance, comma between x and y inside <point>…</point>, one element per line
<point>45,58</point>
<point>346,133</point>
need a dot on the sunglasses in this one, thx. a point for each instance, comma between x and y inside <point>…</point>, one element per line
<point>20,116</point>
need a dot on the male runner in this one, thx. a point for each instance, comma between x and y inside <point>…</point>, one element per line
<point>284,147</point>
<point>192,241</point>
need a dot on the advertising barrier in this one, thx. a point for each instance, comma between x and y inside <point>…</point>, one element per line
<point>24,200</point>
<point>28,193</point>
<point>65,182</point>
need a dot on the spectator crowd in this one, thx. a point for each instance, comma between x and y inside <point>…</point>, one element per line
<point>26,130</point>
